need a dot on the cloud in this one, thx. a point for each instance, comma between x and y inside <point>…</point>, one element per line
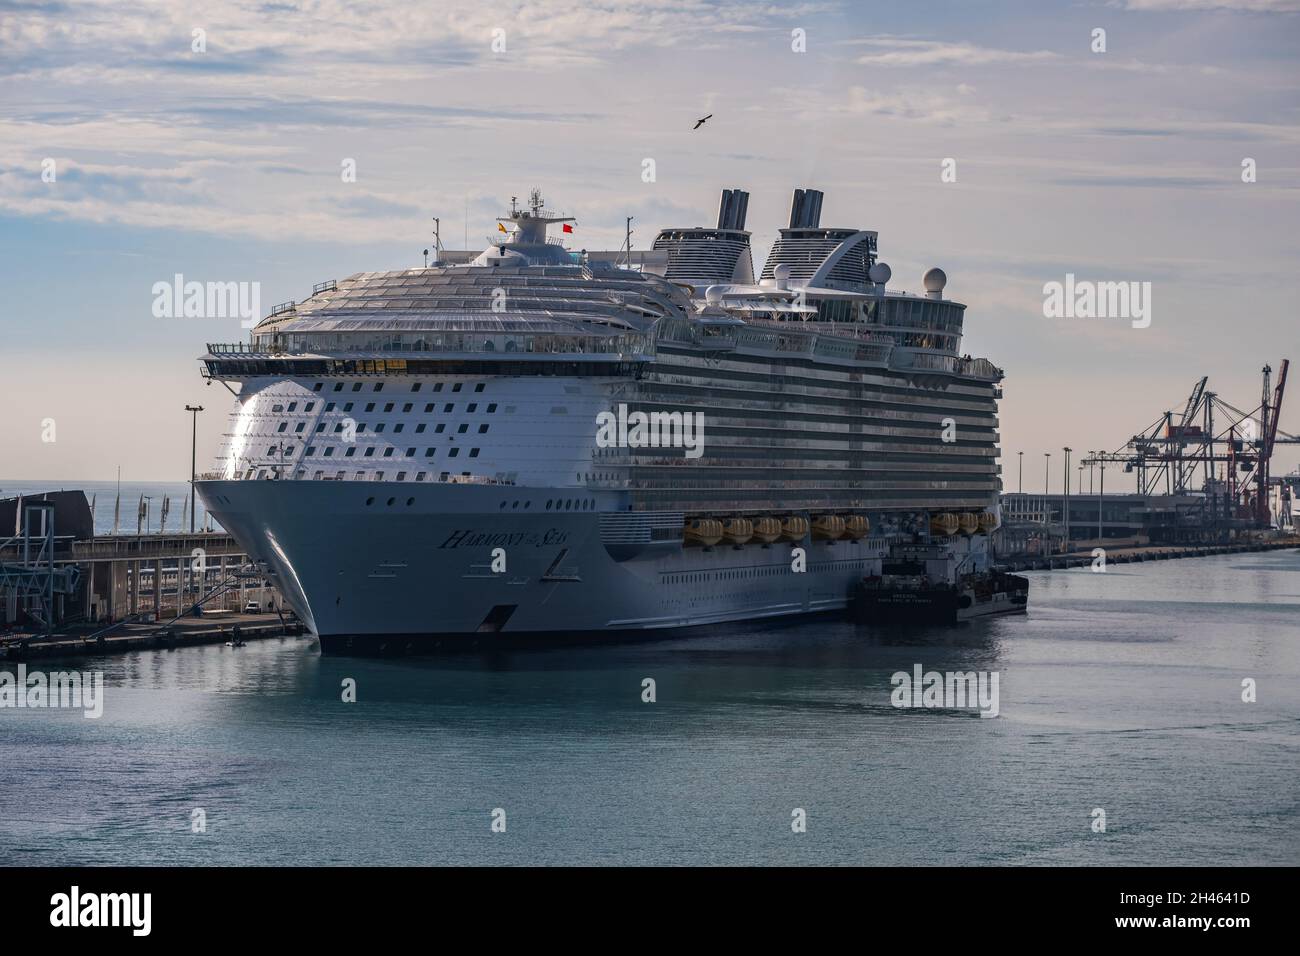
<point>1153,182</point>
<point>898,51</point>
<point>909,103</point>
<point>1248,6</point>
<point>371,205</point>
<point>288,39</point>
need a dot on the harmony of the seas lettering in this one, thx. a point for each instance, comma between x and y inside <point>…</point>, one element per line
<point>470,538</point>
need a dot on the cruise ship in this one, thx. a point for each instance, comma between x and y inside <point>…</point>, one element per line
<point>535,442</point>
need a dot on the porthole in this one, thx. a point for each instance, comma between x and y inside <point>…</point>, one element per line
<point>390,502</point>
<point>409,502</point>
<point>369,502</point>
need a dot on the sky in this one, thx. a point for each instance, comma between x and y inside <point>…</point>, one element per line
<point>220,156</point>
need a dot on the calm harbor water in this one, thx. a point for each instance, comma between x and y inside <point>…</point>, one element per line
<point>1119,690</point>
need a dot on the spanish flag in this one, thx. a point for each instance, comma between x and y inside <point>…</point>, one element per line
<point>502,227</point>
<point>567,228</point>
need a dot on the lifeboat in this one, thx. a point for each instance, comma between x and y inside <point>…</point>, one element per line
<point>737,530</point>
<point>944,524</point>
<point>968,522</point>
<point>988,522</point>
<point>828,527</point>
<point>794,528</point>
<point>767,530</point>
<point>703,531</point>
<point>856,526</point>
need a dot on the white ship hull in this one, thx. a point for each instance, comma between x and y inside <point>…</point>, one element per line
<point>408,578</point>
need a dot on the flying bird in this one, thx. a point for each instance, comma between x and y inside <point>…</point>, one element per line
<point>700,122</point>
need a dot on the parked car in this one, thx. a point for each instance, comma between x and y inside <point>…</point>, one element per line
<point>252,607</point>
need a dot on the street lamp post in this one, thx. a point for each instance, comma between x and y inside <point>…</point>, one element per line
<point>1101,495</point>
<point>1065,498</point>
<point>194,434</point>
<point>1021,489</point>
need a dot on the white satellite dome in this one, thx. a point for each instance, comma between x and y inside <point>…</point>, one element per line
<point>934,280</point>
<point>713,295</point>
<point>781,274</point>
<point>880,273</point>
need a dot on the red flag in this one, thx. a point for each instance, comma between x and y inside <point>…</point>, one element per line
<point>566,227</point>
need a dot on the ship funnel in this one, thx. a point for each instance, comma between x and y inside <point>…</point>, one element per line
<point>732,209</point>
<point>806,209</point>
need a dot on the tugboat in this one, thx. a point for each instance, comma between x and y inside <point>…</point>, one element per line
<point>927,584</point>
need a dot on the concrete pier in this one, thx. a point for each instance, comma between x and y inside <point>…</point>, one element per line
<point>1079,559</point>
<point>136,637</point>
<point>125,576</point>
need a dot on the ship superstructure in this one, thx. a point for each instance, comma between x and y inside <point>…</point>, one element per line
<point>535,441</point>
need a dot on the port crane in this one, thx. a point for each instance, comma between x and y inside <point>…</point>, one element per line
<point>1184,452</point>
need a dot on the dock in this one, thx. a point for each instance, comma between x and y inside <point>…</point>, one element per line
<point>146,635</point>
<point>1130,555</point>
<point>65,590</point>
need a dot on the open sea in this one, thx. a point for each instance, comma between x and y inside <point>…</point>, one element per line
<point>1119,691</point>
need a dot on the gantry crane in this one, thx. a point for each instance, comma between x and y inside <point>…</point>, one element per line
<point>1184,455</point>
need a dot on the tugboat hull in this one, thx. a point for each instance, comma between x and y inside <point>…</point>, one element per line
<point>886,600</point>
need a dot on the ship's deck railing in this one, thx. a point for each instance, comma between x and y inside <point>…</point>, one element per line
<point>839,340</point>
<point>622,352</point>
<point>980,368</point>
<point>925,361</point>
<point>856,331</point>
<point>290,472</point>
